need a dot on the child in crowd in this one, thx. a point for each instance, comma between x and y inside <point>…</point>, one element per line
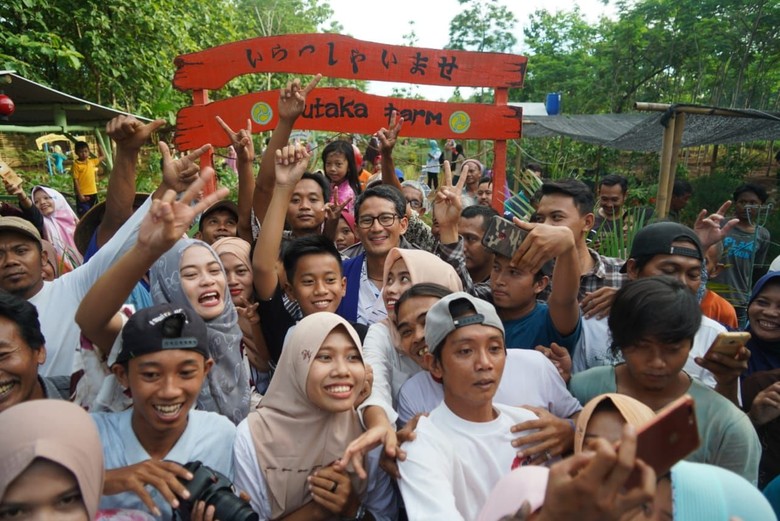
<point>345,232</point>
<point>84,172</point>
<point>284,451</point>
<point>59,221</point>
<point>527,321</point>
<point>338,159</point>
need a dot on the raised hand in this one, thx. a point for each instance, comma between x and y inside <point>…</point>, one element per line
<point>710,229</point>
<point>169,219</point>
<point>333,209</point>
<point>544,242</point>
<point>130,133</point>
<point>178,174</point>
<point>447,203</point>
<point>291,163</point>
<point>388,137</point>
<point>241,140</point>
<point>292,99</point>
<point>560,358</point>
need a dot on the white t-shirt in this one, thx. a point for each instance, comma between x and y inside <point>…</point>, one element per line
<point>529,379</point>
<point>453,464</point>
<point>593,348</point>
<point>391,370</point>
<point>380,499</point>
<point>208,438</point>
<point>58,300</point>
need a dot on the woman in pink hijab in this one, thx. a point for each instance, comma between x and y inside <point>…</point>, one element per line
<point>59,222</point>
<point>51,462</point>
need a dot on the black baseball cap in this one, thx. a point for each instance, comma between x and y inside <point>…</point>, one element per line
<point>162,327</point>
<point>657,239</point>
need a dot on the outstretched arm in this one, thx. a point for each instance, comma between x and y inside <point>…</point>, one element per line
<point>543,243</point>
<point>291,163</point>
<point>162,226</point>
<point>292,101</point>
<point>130,135</point>
<point>245,149</point>
<point>387,139</point>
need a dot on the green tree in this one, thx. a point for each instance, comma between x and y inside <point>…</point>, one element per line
<point>484,26</point>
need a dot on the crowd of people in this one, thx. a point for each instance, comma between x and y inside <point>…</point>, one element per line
<point>318,350</point>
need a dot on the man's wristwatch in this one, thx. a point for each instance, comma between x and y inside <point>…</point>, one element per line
<point>359,515</point>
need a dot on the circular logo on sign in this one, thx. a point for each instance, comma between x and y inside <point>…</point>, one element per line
<point>459,122</point>
<point>262,113</point>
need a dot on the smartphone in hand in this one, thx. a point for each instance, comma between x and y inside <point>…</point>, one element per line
<point>503,237</point>
<point>729,342</point>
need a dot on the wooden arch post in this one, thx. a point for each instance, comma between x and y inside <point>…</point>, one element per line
<point>350,110</point>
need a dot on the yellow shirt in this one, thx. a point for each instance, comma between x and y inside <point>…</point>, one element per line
<point>85,175</point>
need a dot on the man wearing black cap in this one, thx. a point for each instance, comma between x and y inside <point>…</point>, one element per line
<point>218,221</point>
<point>674,250</point>
<point>465,445</point>
<point>163,363</point>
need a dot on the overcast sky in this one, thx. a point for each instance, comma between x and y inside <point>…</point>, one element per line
<point>368,21</point>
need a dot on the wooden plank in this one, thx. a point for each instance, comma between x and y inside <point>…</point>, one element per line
<point>339,56</point>
<point>347,110</point>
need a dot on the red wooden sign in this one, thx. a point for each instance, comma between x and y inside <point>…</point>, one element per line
<point>347,110</point>
<point>338,56</point>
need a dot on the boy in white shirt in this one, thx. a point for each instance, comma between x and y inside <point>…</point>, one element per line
<point>465,445</point>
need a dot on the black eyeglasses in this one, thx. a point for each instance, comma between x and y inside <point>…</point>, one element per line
<point>385,219</point>
<point>414,203</point>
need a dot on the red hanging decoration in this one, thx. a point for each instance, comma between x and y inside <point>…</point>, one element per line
<point>7,106</point>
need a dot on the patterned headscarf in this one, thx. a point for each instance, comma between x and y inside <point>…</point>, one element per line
<point>226,389</point>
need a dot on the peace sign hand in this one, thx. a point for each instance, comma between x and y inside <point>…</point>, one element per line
<point>388,137</point>
<point>241,141</point>
<point>447,203</point>
<point>292,99</point>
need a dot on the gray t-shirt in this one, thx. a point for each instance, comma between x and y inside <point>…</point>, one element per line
<point>741,251</point>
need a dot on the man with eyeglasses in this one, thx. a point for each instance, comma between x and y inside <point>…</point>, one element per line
<point>415,197</point>
<point>380,218</point>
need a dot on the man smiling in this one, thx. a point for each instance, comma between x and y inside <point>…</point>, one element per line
<point>22,351</point>
<point>163,363</point>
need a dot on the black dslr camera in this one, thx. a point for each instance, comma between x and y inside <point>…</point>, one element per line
<point>213,488</point>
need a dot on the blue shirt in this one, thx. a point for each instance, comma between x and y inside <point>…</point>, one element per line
<point>208,438</point>
<point>537,329</point>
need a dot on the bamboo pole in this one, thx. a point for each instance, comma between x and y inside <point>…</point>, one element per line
<point>663,107</point>
<point>679,127</point>
<point>663,178</point>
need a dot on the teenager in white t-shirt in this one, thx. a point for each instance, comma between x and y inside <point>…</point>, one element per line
<point>465,445</point>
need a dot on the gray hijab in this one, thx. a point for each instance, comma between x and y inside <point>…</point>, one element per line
<point>226,390</point>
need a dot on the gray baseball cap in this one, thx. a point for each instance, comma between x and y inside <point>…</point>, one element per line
<point>439,322</point>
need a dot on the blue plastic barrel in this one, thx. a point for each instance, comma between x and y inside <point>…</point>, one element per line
<point>553,103</point>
